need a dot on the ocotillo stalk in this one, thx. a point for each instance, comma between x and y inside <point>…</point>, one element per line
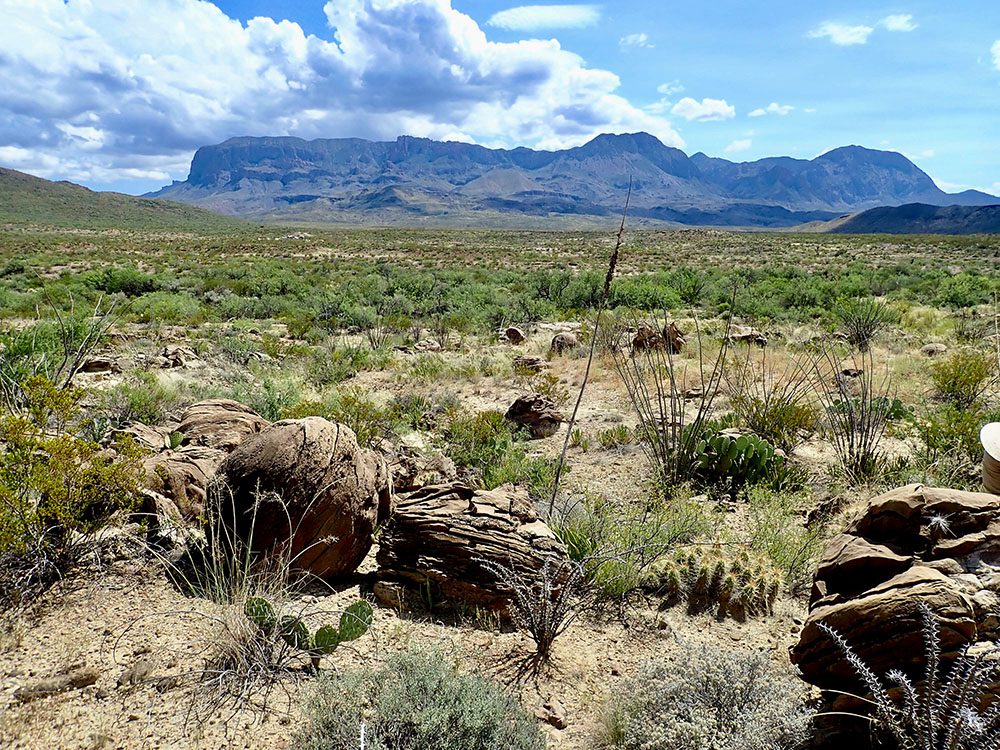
<point>593,344</point>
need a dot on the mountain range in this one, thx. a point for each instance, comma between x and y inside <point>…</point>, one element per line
<point>421,181</point>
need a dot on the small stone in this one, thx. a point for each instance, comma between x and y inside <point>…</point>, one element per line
<point>553,713</point>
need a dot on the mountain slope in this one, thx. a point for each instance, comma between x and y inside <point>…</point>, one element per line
<point>351,179</point>
<point>25,199</point>
<point>919,218</point>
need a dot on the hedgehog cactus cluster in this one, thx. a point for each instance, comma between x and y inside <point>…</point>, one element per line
<point>354,623</point>
<point>738,460</point>
<point>736,582</point>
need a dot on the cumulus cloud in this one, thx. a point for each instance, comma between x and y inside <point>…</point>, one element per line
<point>899,22</point>
<point>772,109</point>
<point>534,17</point>
<point>842,34</point>
<point>119,89</point>
<point>846,35</point>
<point>736,146</point>
<point>706,110</point>
<point>675,87</point>
<point>635,40</point>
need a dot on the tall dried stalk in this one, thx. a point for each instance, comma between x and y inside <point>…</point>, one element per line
<point>612,264</point>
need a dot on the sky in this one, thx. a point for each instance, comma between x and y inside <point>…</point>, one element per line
<point>118,94</point>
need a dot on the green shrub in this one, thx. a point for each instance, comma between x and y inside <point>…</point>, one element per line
<point>141,398</point>
<point>963,376</point>
<point>369,422</point>
<point>52,485</point>
<point>488,444</point>
<point>272,399</point>
<point>862,319</point>
<point>708,699</point>
<point>416,701</point>
<point>618,546</point>
<point>953,432</point>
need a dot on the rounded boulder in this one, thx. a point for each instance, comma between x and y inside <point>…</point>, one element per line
<point>305,487</point>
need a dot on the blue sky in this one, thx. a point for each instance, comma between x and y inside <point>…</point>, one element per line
<point>117,94</point>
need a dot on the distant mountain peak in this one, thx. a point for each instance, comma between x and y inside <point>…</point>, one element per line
<point>346,177</point>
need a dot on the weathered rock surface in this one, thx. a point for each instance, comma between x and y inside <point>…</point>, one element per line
<point>514,335</point>
<point>412,469</point>
<point>219,423</point>
<point>563,342</point>
<point>669,339</point>
<point>529,364</point>
<point>913,544</point>
<point>747,335</point>
<point>332,494</point>
<point>933,350</point>
<point>439,536</point>
<point>538,413</point>
<point>209,431</point>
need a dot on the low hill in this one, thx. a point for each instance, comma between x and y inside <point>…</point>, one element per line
<point>29,200</point>
<point>919,218</point>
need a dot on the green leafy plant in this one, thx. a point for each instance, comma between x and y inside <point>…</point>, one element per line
<point>354,623</point>
<point>55,488</point>
<point>487,443</point>
<point>964,376</point>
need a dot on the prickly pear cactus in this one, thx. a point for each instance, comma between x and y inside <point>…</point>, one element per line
<point>356,620</point>
<point>354,623</point>
<point>295,632</point>
<point>260,612</point>
<point>736,461</point>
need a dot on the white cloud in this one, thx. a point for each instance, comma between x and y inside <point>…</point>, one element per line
<point>899,22</point>
<point>842,34</point>
<point>736,146</point>
<point>534,17</point>
<point>772,109</point>
<point>675,87</point>
<point>635,40</point>
<point>708,109</point>
<point>996,54</point>
<point>98,91</point>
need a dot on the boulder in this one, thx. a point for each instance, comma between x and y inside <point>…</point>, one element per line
<point>100,364</point>
<point>219,423</point>
<point>184,476</point>
<point>305,487</point>
<point>933,350</point>
<point>538,413</point>
<point>648,338</point>
<point>411,469</point>
<point>563,342</point>
<point>152,438</point>
<point>177,356</point>
<point>747,335</point>
<point>514,335</point>
<point>440,535</point>
<point>913,544</point>
<point>528,364</point>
